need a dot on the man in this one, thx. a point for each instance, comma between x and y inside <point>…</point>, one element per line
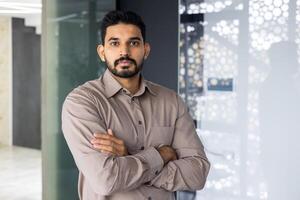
<point>130,138</point>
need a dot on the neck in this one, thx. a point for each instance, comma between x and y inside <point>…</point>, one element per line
<point>131,84</point>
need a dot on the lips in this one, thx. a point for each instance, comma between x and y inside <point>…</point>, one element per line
<point>124,61</point>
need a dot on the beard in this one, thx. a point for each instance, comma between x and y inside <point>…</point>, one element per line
<point>125,72</point>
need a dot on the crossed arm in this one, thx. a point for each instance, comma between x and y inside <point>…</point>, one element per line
<point>109,143</point>
<point>104,161</point>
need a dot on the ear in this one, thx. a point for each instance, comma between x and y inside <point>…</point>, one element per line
<point>147,49</point>
<point>100,51</point>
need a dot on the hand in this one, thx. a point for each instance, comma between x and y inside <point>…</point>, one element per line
<point>109,143</point>
<point>167,153</point>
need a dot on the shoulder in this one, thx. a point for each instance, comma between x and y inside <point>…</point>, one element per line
<point>160,90</point>
<point>87,92</point>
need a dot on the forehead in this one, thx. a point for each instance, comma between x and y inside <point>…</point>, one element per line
<point>123,31</point>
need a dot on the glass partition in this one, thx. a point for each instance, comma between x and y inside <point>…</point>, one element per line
<point>239,74</point>
<point>71,33</point>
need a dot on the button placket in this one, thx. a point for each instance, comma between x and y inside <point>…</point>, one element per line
<point>140,122</point>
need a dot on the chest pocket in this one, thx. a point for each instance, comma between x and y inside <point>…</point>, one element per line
<point>161,135</point>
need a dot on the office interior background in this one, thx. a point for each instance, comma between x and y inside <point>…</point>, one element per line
<point>234,62</point>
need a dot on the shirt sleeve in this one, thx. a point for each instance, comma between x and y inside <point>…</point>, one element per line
<point>105,173</point>
<point>190,170</point>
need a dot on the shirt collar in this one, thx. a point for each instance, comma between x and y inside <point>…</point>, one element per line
<point>112,86</point>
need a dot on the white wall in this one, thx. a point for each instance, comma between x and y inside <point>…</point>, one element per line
<point>5,81</point>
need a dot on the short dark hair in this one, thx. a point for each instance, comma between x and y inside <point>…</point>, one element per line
<point>126,17</point>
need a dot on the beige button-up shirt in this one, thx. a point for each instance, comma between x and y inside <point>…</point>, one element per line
<point>152,117</point>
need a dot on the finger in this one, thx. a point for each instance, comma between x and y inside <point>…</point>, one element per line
<point>108,149</point>
<point>103,141</point>
<point>104,136</point>
<point>103,151</point>
<point>109,137</point>
<point>116,146</point>
<point>116,140</point>
<point>120,142</point>
<point>105,148</point>
<point>97,139</point>
<point>99,133</point>
<point>109,131</point>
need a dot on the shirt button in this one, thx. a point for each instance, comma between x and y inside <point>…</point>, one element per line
<point>140,122</point>
<point>142,148</point>
<point>149,198</point>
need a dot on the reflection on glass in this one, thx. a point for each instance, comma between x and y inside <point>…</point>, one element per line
<point>279,126</point>
<point>70,37</point>
<point>249,131</point>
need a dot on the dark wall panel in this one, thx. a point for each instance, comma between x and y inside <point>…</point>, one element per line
<point>26,86</point>
<point>161,19</point>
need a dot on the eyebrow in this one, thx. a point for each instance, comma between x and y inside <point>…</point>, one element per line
<point>132,38</point>
<point>135,38</point>
<point>112,38</point>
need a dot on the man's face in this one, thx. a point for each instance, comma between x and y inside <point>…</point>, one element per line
<point>124,50</point>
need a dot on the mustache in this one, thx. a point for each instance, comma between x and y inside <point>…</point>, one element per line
<point>126,58</point>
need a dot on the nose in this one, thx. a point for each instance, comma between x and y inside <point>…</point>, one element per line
<point>124,50</point>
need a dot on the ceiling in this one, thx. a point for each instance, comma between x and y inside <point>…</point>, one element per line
<point>30,10</point>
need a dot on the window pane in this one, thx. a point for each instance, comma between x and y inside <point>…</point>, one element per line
<point>71,32</point>
<point>239,74</point>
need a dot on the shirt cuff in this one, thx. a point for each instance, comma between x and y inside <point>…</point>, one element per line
<point>153,159</point>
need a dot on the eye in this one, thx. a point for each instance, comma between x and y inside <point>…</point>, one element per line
<point>134,43</point>
<point>114,43</point>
